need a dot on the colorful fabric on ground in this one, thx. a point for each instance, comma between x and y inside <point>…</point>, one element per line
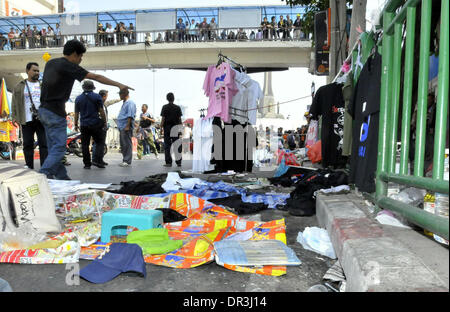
<point>66,250</point>
<point>206,224</point>
<point>222,190</point>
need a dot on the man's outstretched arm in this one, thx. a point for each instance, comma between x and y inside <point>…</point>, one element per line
<point>104,80</point>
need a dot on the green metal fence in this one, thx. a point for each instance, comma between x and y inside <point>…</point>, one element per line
<point>399,18</point>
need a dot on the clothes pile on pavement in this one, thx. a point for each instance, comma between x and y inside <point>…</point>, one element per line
<point>201,222</point>
<point>191,227</point>
<point>307,181</point>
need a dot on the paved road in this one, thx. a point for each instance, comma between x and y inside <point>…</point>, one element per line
<point>206,278</point>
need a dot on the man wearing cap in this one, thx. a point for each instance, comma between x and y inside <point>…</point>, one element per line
<point>89,106</point>
<point>59,76</point>
<point>125,123</point>
<point>297,28</point>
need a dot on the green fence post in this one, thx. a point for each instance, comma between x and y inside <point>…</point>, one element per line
<point>408,88</point>
<point>385,97</point>
<point>395,100</point>
<point>422,105</point>
<point>442,98</point>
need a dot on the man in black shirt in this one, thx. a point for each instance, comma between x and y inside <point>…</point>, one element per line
<point>172,126</point>
<point>59,76</point>
<point>265,28</point>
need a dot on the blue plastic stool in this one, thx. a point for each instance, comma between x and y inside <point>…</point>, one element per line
<point>115,222</point>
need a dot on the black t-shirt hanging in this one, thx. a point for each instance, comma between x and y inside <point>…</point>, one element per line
<point>57,83</point>
<point>329,103</point>
<point>365,111</point>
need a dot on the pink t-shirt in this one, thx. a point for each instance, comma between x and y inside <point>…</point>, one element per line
<point>220,87</point>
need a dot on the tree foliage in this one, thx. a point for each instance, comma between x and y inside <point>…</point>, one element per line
<point>311,8</point>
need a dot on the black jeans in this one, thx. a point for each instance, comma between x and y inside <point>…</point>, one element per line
<point>168,141</point>
<point>28,131</point>
<point>94,149</point>
<point>95,132</point>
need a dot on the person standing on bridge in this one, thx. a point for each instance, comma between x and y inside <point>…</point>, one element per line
<point>297,28</point>
<point>289,26</point>
<point>281,27</point>
<point>192,32</point>
<point>213,29</point>
<point>265,28</point>
<point>57,83</point>
<point>181,29</point>
<point>273,28</point>
<point>204,30</point>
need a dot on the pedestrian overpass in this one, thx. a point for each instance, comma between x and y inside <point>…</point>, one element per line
<point>158,43</point>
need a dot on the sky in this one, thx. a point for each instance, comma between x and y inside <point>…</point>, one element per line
<point>151,87</point>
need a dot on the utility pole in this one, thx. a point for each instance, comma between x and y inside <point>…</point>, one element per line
<point>338,44</point>
<point>358,21</point>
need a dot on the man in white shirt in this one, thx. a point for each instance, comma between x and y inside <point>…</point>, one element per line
<point>24,106</point>
<point>110,34</point>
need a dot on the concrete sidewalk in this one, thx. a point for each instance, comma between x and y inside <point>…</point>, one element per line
<point>378,257</point>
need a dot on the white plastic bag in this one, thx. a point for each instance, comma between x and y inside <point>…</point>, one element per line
<point>317,240</point>
<point>313,133</point>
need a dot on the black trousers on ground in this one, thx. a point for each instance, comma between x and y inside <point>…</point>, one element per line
<point>28,131</point>
<point>168,141</point>
<point>95,132</point>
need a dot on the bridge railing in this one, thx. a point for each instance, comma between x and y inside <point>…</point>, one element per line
<point>157,36</point>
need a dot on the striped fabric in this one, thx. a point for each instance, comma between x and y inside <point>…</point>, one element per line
<point>221,190</point>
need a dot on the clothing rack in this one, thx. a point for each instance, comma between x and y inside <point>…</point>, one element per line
<point>221,57</point>
<point>245,115</point>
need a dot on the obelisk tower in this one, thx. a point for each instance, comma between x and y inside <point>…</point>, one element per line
<point>268,108</point>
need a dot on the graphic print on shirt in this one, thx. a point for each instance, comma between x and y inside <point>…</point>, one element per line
<point>219,87</point>
<point>364,133</point>
<point>338,127</point>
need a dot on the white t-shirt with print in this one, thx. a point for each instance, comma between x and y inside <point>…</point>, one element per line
<point>35,90</point>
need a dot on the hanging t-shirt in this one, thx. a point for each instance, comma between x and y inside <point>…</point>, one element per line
<point>255,95</point>
<point>329,103</point>
<point>203,136</point>
<point>239,102</point>
<point>244,105</point>
<point>365,110</point>
<point>220,87</point>
<point>35,92</point>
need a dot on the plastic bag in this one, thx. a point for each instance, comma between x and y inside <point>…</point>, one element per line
<point>315,152</point>
<point>411,195</point>
<point>317,240</point>
<point>20,238</point>
<point>313,133</point>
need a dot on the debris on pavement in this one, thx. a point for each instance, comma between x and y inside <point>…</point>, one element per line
<point>203,222</point>
<point>317,240</point>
